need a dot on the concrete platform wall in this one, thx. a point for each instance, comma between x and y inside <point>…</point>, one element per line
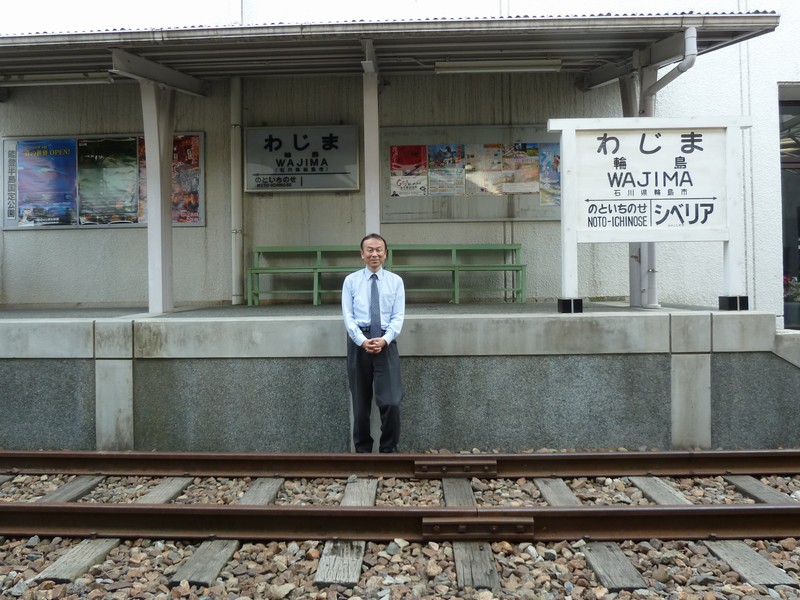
<point>516,381</point>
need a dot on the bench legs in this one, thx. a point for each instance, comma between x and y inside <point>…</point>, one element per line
<point>518,289</point>
<point>252,291</point>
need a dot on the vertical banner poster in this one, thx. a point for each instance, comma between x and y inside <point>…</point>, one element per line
<point>46,180</point>
<point>186,180</point>
<point>408,170</point>
<point>549,175</point>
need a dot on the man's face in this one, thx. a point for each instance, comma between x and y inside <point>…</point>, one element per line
<point>373,252</point>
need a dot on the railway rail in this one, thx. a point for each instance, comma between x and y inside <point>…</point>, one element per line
<point>421,465</point>
<point>558,516</point>
<point>776,516</point>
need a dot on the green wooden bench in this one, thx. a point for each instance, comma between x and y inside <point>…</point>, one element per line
<point>452,260</point>
<point>305,259</point>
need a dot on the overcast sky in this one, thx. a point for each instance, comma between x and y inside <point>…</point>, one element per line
<point>52,16</point>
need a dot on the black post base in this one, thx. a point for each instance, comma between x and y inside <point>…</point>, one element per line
<point>570,305</point>
<point>734,303</point>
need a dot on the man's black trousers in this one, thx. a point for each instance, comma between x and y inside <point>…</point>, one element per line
<point>383,371</point>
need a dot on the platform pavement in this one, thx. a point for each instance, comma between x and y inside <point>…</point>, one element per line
<point>306,309</point>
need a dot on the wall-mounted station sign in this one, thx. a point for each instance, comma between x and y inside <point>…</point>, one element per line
<point>285,159</point>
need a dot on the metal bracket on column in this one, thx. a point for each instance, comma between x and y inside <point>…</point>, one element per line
<point>136,67</point>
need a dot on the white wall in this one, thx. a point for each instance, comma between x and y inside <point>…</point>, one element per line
<point>424,101</point>
<point>741,80</point>
<point>507,99</point>
<point>103,265</point>
<point>297,217</point>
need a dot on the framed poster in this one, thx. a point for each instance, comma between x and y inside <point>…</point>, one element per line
<point>94,181</point>
<point>469,174</point>
<point>301,158</point>
<point>42,183</point>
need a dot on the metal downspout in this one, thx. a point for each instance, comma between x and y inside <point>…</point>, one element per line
<point>237,234</point>
<point>647,104</point>
<point>647,251</point>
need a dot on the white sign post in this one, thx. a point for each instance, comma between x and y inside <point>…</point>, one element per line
<point>651,180</point>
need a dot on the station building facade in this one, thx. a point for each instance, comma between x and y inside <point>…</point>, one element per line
<point>106,264</point>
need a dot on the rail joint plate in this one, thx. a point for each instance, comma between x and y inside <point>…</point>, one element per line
<point>478,528</point>
<point>478,467</point>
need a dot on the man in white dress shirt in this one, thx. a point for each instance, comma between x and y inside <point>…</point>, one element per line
<point>372,358</point>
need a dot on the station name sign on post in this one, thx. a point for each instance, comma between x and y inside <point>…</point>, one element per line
<point>651,180</point>
<point>285,159</point>
<point>651,183</point>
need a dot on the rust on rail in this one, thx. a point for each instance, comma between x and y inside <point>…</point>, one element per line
<point>412,465</point>
<point>245,522</point>
<point>411,523</point>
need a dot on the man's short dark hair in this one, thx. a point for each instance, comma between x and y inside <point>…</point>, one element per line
<point>374,236</point>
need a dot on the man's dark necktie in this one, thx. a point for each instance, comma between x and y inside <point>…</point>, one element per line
<point>375,309</point>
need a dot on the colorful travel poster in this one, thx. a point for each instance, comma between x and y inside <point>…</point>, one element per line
<point>446,170</point>
<point>521,161</point>
<point>186,180</point>
<point>445,156</point>
<point>549,175</point>
<point>409,170</point>
<point>409,160</point>
<point>484,169</point>
<point>107,181</point>
<point>47,182</point>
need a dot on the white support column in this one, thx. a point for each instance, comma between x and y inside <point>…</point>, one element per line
<point>237,187</point>
<point>630,108</point>
<point>733,251</point>
<point>372,207</point>
<point>158,107</point>
<point>569,236</point>
<point>629,95</point>
<point>649,273</point>
<point>643,288</point>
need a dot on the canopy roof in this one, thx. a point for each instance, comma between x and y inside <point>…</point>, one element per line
<point>599,47</point>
